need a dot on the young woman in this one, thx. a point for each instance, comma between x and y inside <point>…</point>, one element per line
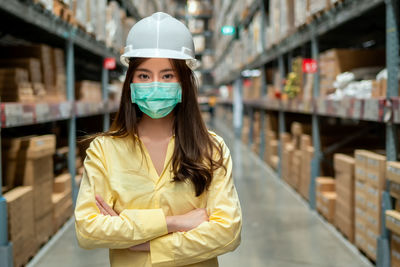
<point>157,188</point>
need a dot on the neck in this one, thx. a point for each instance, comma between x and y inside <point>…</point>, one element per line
<point>156,128</point>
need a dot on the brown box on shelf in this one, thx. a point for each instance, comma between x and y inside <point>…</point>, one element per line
<point>41,52</point>
<point>328,200</point>
<point>393,221</point>
<point>361,195</point>
<point>393,171</point>
<point>20,212</point>
<point>15,85</point>
<point>21,224</point>
<point>62,183</point>
<point>62,203</point>
<point>32,65</point>
<point>42,197</point>
<point>307,156</point>
<point>44,227</point>
<point>395,250</point>
<point>323,184</point>
<point>29,159</point>
<point>394,190</point>
<point>345,224</point>
<point>89,91</point>
<point>376,170</point>
<point>296,169</point>
<point>360,240</point>
<point>360,164</point>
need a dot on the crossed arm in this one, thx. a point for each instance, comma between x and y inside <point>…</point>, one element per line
<point>179,223</point>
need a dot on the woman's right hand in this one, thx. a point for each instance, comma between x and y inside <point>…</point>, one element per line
<point>187,221</point>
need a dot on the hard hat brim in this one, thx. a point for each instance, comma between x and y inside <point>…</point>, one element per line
<point>157,53</point>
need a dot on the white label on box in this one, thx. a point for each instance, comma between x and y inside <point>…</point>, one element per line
<point>372,206</point>
<point>372,177</point>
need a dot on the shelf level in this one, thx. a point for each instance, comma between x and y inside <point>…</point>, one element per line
<point>375,110</point>
<point>18,114</point>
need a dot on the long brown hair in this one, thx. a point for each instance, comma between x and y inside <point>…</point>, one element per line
<point>194,152</point>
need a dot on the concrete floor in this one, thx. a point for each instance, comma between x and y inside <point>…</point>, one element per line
<point>278,227</point>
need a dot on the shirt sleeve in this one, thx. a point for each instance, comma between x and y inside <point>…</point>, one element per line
<point>94,230</point>
<point>219,235</point>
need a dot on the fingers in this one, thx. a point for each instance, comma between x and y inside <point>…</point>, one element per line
<point>102,210</point>
<point>105,207</point>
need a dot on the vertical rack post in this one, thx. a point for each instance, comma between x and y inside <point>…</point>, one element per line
<point>104,88</point>
<point>282,126</point>
<point>6,253</point>
<point>315,164</point>
<point>263,82</point>
<point>72,120</point>
<point>392,61</point>
<point>238,107</point>
<point>251,130</point>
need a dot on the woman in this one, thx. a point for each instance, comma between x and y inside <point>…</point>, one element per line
<point>157,188</point>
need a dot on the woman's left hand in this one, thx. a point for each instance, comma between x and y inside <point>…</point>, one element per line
<point>141,247</point>
<point>105,209</point>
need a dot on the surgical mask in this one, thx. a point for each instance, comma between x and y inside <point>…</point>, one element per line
<point>156,99</point>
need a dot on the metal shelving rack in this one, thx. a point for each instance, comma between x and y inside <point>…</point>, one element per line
<point>389,114</point>
<point>47,112</point>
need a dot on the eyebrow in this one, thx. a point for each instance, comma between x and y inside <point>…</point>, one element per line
<point>148,71</point>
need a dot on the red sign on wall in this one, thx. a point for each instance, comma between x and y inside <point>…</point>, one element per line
<point>109,63</point>
<point>310,65</point>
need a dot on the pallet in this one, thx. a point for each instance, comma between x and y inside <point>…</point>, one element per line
<point>62,11</point>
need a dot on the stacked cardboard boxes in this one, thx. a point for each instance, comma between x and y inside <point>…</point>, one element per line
<point>286,158</point>
<point>326,197</point>
<point>15,85</point>
<point>307,153</point>
<point>88,91</point>
<point>30,163</point>
<point>62,200</point>
<point>60,81</point>
<point>375,181</point>
<point>246,129</point>
<point>370,181</point>
<point>256,132</point>
<point>361,199</point>
<point>393,217</point>
<point>21,224</point>
<point>344,175</point>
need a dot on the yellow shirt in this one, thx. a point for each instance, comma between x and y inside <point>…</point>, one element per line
<point>116,170</point>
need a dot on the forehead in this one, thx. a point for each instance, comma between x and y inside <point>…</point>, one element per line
<point>156,64</point>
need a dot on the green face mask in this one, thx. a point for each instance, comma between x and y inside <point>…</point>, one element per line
<point>156,99</point>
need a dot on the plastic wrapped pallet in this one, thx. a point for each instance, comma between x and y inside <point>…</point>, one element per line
<point>91,15</point>
<point>80,12</point>
<point>114,29</point>
<point>100,26</point>
<point>286,18</point>
<point>300,15</point>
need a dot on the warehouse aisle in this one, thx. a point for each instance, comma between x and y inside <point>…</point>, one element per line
<point>278,229</point>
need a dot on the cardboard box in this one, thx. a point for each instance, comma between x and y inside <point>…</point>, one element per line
<point>328,200</point>
<point>394,189</point>
<point>360,164</point>
<point>393,221</point>
<point>62,183</point>
<point>42,198</point>
<point>20,212</point>
<point>345,224</point>
<point>393,171</point>
<point>21,224</point>
<point>344,164</point>
<point>360,195</point>
<point>62,208</point>
<point>44,227</point>
<point>376,170</point>
<point>395,250</point>
<point>360,241</point>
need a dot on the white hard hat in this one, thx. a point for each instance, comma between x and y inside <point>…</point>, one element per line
<point>159,36</point>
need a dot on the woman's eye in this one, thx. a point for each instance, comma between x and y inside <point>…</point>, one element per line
<point>143,76</point>
<point>168,76</point>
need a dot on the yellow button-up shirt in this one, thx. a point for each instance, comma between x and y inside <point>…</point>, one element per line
<point>116,170</point>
